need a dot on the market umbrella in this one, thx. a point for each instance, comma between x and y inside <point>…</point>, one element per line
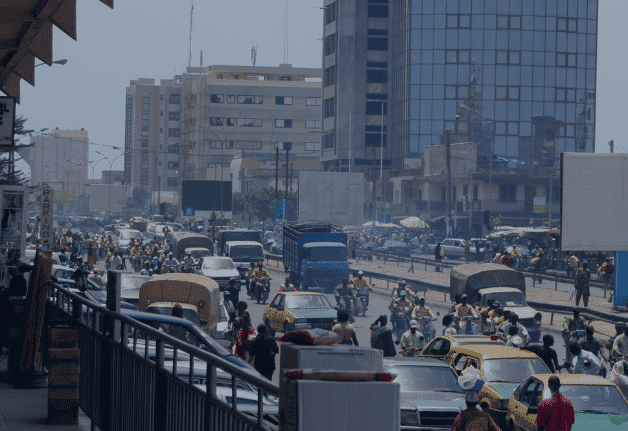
<point>413,223</point>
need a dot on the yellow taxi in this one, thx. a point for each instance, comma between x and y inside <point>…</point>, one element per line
<point>297,310</point>
<point>502,368</point>
<point>440,346</point>
<point>597,402</point>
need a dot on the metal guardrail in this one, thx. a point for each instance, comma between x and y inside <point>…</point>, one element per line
<point>121,389</point>
<point>418,285</point>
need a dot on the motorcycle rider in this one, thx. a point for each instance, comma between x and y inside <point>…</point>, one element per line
<point>146,270</point>
<point>513,322</point>
<point>400,309</point>
<point>171,261</point>
<point>620,345</point>
<point>249,276</point>
<point>259,273</point>
<point>421,310</point>
<point>189,260</point>
<point>343,290</point>
<point>619,329</point>
<point>583,362</point>
<point>571,327</point>
<point>361,285</point>
<point>450,325</point>
<point>234,290</point>
<point>412,339</point>
<point>287,287</point>
<point>401,286</point>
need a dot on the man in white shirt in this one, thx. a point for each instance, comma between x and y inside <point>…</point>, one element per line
<point>584,362</point>
<point>514,321</point>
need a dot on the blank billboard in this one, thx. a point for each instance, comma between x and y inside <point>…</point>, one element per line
<point>594,202</point>
<point>206,195</point>
<point>334,197</point>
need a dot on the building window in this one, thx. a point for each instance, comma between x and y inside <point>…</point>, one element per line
<point>566,59</point>
<point>375,108</point>
<point>229,145</point>
<point>508,57</point>
<point>329,110</point>
<point>283,124</point>
<point>172,181</point>
<point>248,145</point>
<point>144,142</point>
<point>313,101</point>
<point>173,133</point>
<point>283,100</point>
<point>216,98</point>
<point>174,116</point>
<point>459,21</point>
<point>216,121</point>
<point>374,139</point>
<point>377,11</point>
<point>567,25</point>
<point>312,124</point>
<point>329,44</point>
<point>173,166</point>
<point>283,146</point>
<point>175,99</point>
<point>461,56</point>
<point>329,77</point>
<point>244,122</point>
<point>376,76</point>
<point>215,144</point>
<point>145,157</point>
<point>376,32</point>
<point>173,149</point>
<point>507,193</point>
<point>330,13</point>
<point>250,100</point>
<point>329,140</point>
<point>230,98</point>
<point>475,192</point>
<point>377,44</point>
<point>312,146</point>
<point>512,22</point>
<point>507,93</point>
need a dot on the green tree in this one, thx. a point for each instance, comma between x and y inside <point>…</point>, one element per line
<point>262,204</point>
<point>20,131</point>
<point>140,198</point>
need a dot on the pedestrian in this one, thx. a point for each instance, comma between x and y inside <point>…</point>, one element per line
<point>244,337</point>
<point>381,337</point>
<point>581,284</point>
<point>548,355</point>
<point>438,256</point>
<point>263,350</point>
<point>467,251</point>
<point>473,419</point>
<point>555,413</point>
<point>234,290</point>
<point>344,328</point>
<point>584,362</point>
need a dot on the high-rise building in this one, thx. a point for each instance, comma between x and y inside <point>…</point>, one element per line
<point>60,159</point>
<point>152,137</point>
<point>516,78</point>
<point>248,111</point>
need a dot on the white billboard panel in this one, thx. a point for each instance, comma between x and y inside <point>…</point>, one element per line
<point>594,213</point>
<point>335,197</point>
<point>106,198</point>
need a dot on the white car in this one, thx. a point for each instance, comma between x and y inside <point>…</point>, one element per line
<point>218,268</point>
<point>452,248</point>
<point>124,237</point>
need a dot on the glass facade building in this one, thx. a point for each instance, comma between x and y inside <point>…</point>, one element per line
<point>515,76</point>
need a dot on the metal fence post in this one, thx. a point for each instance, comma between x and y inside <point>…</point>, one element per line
<point>161,387</point>
<point>555,281</point>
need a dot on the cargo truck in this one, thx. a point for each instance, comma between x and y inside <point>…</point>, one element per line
<point>243,246</point>
<point>315,255</point>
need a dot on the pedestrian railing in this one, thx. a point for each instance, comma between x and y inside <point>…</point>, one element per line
<point>122,387</point>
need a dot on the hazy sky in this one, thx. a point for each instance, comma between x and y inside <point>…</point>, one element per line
<point>150,39</point>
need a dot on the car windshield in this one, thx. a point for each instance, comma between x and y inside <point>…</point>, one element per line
<point>595,399</point>
<point>218,264</point>
<point>128,234</point>
<point>307,301</point>
<point>513,370</point>
<point>417,378</point>
<point>506,299</point>
<point>197,254</point>
<point>247,252</point>
<point>327,254</point>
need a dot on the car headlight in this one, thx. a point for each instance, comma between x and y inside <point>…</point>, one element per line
<point>538,317</point>
<point>503,404</point>
<point>409,418</point>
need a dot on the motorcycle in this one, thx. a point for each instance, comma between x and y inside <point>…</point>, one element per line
<point>469,327</point>
<point>249,285</point>
<point>346,302</point>
<point>169,269</point>
<point>262,289</point>
<point>427,328</point>
<point>363,296</point>
<point>401,322</point>
<point>187,269</point>
<point>569,338</point>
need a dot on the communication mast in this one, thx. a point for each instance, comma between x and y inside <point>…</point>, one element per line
<point>191,21</point>
<point>285,37</point>
<point>254,55</point>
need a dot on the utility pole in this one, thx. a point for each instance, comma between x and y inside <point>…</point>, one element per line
<point>448,162</point>
<point>277,172</point>
<point>612,145</point>
<point>285,204</point>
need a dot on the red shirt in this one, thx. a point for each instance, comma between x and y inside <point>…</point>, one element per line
<point>555,414</point>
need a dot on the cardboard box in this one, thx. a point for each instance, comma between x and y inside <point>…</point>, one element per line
<point>339,357</point>
<point>63,336</point>
<point>309,405</point>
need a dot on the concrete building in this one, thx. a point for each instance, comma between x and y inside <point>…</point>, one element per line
<point>59,158</point>
<point>249,111</point>
<point>515,78</point>
<point>152,136</point>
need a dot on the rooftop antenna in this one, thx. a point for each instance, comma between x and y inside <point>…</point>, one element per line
<point>190,50</point>
<point>254,55</point>
<point>285,37</point>
<point>201,58</point>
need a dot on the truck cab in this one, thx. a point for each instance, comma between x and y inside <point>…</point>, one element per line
<point>242,253</point>
<point>324,264</point>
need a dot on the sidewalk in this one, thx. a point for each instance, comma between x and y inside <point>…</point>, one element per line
<point>546,293</point>
<point>27,409</point>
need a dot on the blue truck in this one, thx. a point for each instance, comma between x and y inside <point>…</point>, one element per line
<point>315,255</point>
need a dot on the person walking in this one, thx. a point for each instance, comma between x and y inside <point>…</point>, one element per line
<point>438,257</point>
<point>555,413</point>
<point>263,350</point>
<point>381,337</point>
<point>344,328</point>
<point>581,284</point>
